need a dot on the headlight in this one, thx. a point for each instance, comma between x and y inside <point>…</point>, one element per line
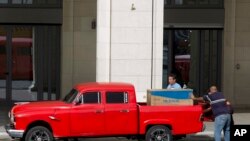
<point>12,119</point>
<point>11,116</point>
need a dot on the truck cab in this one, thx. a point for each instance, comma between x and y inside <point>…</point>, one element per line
<point>109,110</point>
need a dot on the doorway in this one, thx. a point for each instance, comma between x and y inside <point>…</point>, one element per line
<point>194,56</point>
<point>16,72</point>
<point>30,63</point>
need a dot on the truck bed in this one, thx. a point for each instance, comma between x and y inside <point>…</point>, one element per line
<point>180,119</point>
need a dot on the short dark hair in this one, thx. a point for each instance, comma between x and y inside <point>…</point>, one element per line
<point>172,75</point>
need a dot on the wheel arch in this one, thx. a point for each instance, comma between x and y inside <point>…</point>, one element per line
<point>39,123</point>
<point>151,125</point>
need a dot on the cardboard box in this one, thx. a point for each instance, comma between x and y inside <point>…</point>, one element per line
<point>169,97</point>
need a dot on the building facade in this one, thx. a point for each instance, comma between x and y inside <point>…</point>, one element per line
<point>125,46</point>
<point>141,42</point>
<point>204,42</point>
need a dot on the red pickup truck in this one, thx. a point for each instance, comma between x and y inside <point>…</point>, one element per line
<point>101,110</point>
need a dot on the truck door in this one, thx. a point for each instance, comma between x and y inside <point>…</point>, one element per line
<point>120,115</point>
<point>87,117</point>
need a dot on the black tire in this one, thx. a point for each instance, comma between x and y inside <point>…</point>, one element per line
<point>39,133</point>
<point>159,133</point>
<point>22,139</point>
<point>141,138</point>
<point>179,137</point>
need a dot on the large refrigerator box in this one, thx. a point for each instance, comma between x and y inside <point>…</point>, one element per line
<point>169,97</point>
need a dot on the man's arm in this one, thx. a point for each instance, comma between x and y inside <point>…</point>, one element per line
<point>197,98</point>
<point>207,110</point>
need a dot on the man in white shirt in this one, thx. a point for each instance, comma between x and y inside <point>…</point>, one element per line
<point>172,82</point>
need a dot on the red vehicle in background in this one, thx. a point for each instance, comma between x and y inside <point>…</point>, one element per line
<point>21,58</point>
<point>182,64</point>
<point>102,110</point>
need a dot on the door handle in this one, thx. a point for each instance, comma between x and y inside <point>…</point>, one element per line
<point>99,111</point>
<point>124,111</point>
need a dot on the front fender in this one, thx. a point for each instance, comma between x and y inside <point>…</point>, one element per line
<point>25,118</point>
<point>56,122</point>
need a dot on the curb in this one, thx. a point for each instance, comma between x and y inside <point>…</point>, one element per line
<point>210,133</point>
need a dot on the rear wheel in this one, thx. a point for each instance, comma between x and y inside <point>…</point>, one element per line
<point>159,133</point>
<point>39,133</point>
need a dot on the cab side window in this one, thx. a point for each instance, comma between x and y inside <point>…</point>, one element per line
<point>90,98</point>
<point>117,97</point>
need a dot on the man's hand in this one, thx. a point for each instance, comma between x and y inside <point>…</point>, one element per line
<point>196,98</point>
<point>207,110</point>
<point>192,96</point>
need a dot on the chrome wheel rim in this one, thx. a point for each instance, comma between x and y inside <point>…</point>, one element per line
<point>159,135</point>
<point>39,135</point>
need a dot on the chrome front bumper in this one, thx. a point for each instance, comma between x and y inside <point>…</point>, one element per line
<point>13,132</point>
<point>203,127</point>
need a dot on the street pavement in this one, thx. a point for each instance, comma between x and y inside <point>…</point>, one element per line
<point>207,135</point>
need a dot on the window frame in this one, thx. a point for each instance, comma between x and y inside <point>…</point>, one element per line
<point>81,97</point>
<point>125,97</point>
<point>34,4</point>
<point>193,6</point>
<point>212,35</point>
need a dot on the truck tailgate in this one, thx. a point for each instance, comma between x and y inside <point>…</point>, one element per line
<point>180,119</point>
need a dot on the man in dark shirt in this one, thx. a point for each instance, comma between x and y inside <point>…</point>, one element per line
<point>220,111</point>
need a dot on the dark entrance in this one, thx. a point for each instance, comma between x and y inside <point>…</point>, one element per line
<point>30,50</point>
<point>30,63</point>
<point>30,32</point>
<point>194,56</point>
<point>16,72</point>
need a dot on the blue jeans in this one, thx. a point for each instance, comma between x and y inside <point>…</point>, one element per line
<point>222,122</point>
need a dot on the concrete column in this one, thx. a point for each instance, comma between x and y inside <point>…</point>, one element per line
<point>158,24</point>
<point>78,43</point>
<point>228,50</point>
<point>242,51</point>
<point>236,52</point>
<point>67,48</point>
<point>130,43</point>
<point>103,40</point>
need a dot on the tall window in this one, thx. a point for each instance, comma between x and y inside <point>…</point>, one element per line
<point>31,3</point>
<point>194,56</point>
<point>3,1</point>
<point>194,3</point>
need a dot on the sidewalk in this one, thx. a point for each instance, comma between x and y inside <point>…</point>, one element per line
<point>208,134</point>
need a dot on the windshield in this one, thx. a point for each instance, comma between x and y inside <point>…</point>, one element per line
<point>70,97</point>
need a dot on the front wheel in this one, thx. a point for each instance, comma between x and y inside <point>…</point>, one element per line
<point>159,133</point>
<point>39,133</point>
